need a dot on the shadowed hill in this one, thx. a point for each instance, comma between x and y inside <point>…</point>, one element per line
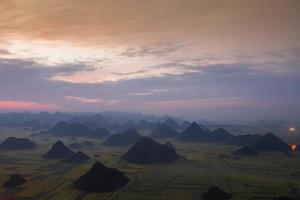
<point>76,130</point>
<point>270,142</point>
<point>14,180</point>
<point>66,129</point>
<point>172,123</point>
<point>143,124</point>
<point>91,121</point>
<point>220,135</point>
<point>185,124</point>
<point>78,157</point>
<point>100,133</point>
<point>128,125</point>
<point>215,193</point>
<point>163,131</point>
<point>58,150</point>
<point>13,143</point>
<point>122,139</point>
<point>147,151</point>
<point>193,134</point>
<point>101,179</point>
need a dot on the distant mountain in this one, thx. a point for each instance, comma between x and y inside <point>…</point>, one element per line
<point>172,123</point>
<point>90,123</point>
<point>76,130</point>
<point>122,139</point>
<point>163,131</point>
<point>215,193</point>
<point>270,142</point>
<point>220,135</point>
<point>147,151</point>
<point>185,124</point>
<point>93,121</point>
<point>108,120</point>
<point>123,117</point>
<point>100,133</point>
<point>72,129</point>
<point>245,152</point>
<point>128,125</point>
<point>115,127</point>
<point>193,134</point>
<point>13,143</point>
<point>57,151</point>
<point>78,157</point>
<point>101,179</point>
<point>14,180</point>
<point>143,124</point>
<point>245,140</point>
<point>75,146</point>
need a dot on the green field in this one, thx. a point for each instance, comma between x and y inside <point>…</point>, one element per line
<point>260,177</point>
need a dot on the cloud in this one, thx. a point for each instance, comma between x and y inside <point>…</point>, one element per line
<point>211,23</point>
<point>113,74</point>
<point>95,101</point>
<point>53,53</point>
<point>141,93</point>
<point>9,65</point>
<point>157,50</point>
<point>4,52</point>
<point>84,100</point>
<point>11,105</point>
<point>29,82</point>
<point>66,62</point>
<point>163,90</point>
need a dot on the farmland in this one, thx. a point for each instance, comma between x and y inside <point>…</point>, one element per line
<point>206,164</point>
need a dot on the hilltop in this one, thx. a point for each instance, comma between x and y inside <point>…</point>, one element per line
<point>13,143</point>
<point>163,131</point>
<point>122,139</point>
<point>58,150</point>
<point>147,151</point>
<point>101,179</point>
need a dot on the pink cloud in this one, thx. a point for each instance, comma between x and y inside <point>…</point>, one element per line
<point>10,105</point>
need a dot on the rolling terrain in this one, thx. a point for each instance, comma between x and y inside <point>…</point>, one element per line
<point>206,164</point>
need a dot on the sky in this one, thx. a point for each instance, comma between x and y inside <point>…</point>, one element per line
<point>198,59</point>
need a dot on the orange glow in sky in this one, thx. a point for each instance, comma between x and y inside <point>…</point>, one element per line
<point>292,129</point>
<point>26,105</point>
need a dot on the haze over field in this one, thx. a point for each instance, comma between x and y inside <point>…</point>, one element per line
<point>196,59</point>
